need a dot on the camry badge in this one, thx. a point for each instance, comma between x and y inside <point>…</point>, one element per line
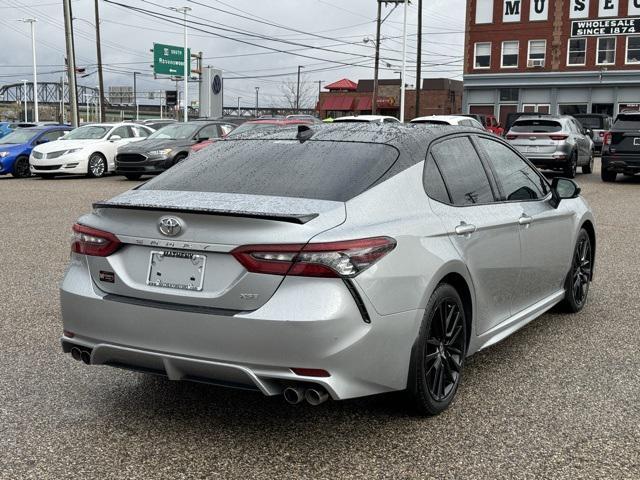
<point>170,226</point>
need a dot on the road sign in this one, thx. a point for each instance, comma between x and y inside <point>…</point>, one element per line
<point>171,97</point>
<point>169,59</point>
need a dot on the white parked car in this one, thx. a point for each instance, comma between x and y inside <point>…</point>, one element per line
<point>367,119</point>
<point>449,120</point>
<point>88,150</point>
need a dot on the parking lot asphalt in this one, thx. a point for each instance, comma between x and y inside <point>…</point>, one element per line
<point>558,399</point>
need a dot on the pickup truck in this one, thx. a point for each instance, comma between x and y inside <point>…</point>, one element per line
<point>621,147</point>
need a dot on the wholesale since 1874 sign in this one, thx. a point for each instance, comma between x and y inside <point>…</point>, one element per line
<point>605,27</point>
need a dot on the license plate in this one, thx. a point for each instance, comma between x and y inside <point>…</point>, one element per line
<point>179,270</point>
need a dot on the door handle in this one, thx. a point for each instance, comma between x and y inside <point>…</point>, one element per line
<point>525,220</point>
<point>465,229</point>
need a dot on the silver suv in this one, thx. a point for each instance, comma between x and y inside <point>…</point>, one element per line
<point>554,143</point>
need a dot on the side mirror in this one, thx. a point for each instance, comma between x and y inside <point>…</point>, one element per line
<point>588,131</point>
<point>563,189</point>
<point>114,138</point>
<point>202,139</point>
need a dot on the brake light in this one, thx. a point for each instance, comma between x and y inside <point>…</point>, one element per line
<point>511,136</point>
<point>93,242</point>
<point>558,137</point>
<point>601,134</point>
<point>608,138</point>
<point>335,259</point>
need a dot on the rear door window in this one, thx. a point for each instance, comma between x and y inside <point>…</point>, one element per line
<point>463,172</point>
<point>518,180</point>
<point>537,126</point>
<point>323,170</point>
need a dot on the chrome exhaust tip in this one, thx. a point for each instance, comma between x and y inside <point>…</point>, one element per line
<point>85,356</point>
<point>293,395</point>
<point>316,396</point>
<point>76,353</point>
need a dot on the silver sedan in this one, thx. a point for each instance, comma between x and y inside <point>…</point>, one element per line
<point>327,262</point>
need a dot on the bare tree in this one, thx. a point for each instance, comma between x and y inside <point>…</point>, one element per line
<point>308,93</point>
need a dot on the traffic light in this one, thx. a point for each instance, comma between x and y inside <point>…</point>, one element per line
<point>171,97</point>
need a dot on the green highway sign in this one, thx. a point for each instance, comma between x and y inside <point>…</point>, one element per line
<point>169,60</point>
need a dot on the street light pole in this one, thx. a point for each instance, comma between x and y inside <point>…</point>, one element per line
<point>24,98</point>
<point>135,94</point>
<point>403,84</point>
<point>239,106</point>
<point>376,72</point>
<point>32,22</point>
<point>187,73</point>
<point>257,102</point>
<point>298,90</point>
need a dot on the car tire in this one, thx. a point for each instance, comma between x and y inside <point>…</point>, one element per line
<point>178,158</point>
<point>579,278</point>
<point>571,168</point>
<point>21,168</point>
<point>133,176</point>
<point>438,354</point>
<point>588,168</point>
<point>96,166</point>
<point>608,175</point>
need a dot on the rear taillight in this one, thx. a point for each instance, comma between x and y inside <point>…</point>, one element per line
<point>608,138</point>
<point>601,134</point>
<point>558,137</point>
<point>336,259</point>
<point>94,242</point>
<point>511,136</point>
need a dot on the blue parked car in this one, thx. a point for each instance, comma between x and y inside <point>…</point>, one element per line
<point>16,147</point>
<point>5,129</point>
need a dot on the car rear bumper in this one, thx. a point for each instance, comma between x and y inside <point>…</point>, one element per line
<point>308,323</point>
<point>621,163</point>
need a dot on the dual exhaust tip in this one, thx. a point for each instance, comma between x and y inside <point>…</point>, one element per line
<point>80,354</point>
<point>314,396</point>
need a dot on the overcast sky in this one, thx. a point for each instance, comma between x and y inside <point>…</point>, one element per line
<point>335,25</point>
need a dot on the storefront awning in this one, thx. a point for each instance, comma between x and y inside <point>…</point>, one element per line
<point>339,104</point>
<point>364,104</point>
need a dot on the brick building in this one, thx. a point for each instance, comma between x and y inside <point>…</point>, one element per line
<point>555,56</point>
<point>439,96</point>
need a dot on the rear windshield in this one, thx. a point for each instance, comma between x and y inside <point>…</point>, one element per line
<point>536,126</point>
<point>628,121</point>
<point>323,170</point>
<point>591,122</point>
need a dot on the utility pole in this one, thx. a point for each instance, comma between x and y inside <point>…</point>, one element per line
<point>239,106</point>
<point>101,116</point>
<point>419,61</point>
<point>257,102</point>
<point>185,11</point>
<point>71,60</point>
<point>403,85</point>
<point>298,90</point>
<point>32,22</point>
<point>24,97</point>
<point>135,94</point>
<point>374,105</point>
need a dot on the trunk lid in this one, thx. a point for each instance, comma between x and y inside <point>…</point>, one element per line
<point>212,225</point>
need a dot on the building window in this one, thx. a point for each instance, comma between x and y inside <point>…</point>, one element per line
<point>633,50</point>
<point>577,51</point>
<point>509,94</point>
<point>537,53</point>
<point>606,51</point>
<point>510,54</point>
<point>482,55</point>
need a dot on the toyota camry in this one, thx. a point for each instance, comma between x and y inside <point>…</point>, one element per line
<point>327,262</point>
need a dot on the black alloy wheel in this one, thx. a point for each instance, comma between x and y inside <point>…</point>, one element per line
<point>438,356</point>
<point>21,168</point>
<point>579,278</point>
<point>571,168</point>
<point>588,168</point>
<point>97,166</point>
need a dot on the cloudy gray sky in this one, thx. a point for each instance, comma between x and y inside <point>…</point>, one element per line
<point>324,36</point>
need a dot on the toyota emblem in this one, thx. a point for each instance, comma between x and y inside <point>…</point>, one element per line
<point>170,226</point>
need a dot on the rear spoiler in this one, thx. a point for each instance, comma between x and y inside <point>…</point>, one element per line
<point>299,219</point>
